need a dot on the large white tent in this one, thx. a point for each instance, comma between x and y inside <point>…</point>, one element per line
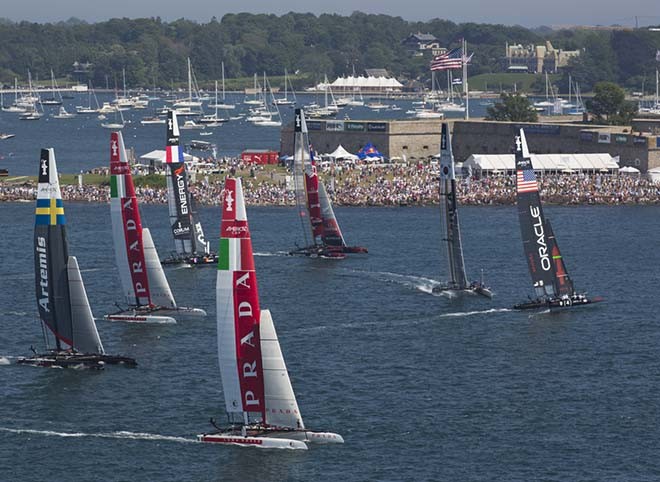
<point>597,162</point>
<point>341,153</point>
<point>158,157</point>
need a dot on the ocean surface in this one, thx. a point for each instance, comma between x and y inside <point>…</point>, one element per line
<point>422,387</point>
<point>82,144</point>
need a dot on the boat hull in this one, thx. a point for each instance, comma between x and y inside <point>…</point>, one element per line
<point>558,304</point>
<point>207,260</point>
<point>474,288</point>
<point>76,360</point>
<point>156,314</point>
<point>279,439</point>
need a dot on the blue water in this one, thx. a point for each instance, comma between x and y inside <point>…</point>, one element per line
<point>422,387</point>
<point>82,144</point>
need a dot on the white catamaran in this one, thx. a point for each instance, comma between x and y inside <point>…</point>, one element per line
<point>259,398</point>
<point>143,281</point>
<point>449,208</point>
<point>61,297</point>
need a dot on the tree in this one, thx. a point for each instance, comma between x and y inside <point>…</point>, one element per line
<point>513,107</point>
<point>609,104</point>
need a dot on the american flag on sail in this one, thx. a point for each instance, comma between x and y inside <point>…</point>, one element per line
<point>526,181</point>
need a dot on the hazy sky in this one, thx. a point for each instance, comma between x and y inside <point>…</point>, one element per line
<point>523,12</point>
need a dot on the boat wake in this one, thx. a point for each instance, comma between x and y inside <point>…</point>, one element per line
<point>170,321</point>
<point>111,435</point>
<point>472,313</point>
<point>15,313</point>
<point>420,283</point>
<point>267,254</point>
<point>5,360</point>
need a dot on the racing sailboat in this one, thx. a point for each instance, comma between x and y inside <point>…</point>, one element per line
<point>189,240</point>
<point>323,238</point>
<point>61,297</point>
<point>553,287</point>
<point>449,208</point>
<point>147,292</point>
<point>259,399</point>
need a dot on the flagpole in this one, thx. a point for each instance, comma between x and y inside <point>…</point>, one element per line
<point>465,82</point>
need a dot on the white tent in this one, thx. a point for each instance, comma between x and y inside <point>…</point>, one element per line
<point>341,153</point>
<point>544,162</point>
<point>158,157</point>
<point>629,170</point>
<point>654,174</point>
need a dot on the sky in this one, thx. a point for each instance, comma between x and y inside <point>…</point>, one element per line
<point>529,13</point>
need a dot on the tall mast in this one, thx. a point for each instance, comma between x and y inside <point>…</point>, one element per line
<point>465,81</point>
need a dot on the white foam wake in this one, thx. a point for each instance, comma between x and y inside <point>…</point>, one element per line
<point>112,435</point>
<point>266,254</point>
<point>472,313</point>
<point>4,360</point>
<point>420,283</point>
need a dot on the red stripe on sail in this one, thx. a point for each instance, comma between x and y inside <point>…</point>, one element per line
<point>313,201</point>
<point>137,265</point>
<point>131,224</point>
<point>248,344</point>
<point>116,166</point>
<point>247,259</point>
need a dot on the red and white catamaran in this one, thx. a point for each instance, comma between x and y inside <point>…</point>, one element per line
<point>143,281</point>
<point>259,398</point>
<point>314,205</point>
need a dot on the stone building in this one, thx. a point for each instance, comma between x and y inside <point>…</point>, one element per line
<point>537,58</point>
<point>420,139</point>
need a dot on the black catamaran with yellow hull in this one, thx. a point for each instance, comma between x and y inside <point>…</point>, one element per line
<point>552,284</point>
<point>449,208</point>
<point>314,205</point>
<point>61,297</point>
<point>191,246</point>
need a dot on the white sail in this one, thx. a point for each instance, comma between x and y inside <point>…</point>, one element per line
<point>281,405</point>
<point>85,335</point>
<point>231,386</point>
<point>159,288</point>
<point>121,257</point>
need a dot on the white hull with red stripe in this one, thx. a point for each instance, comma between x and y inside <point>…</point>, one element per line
<point>287,439</point>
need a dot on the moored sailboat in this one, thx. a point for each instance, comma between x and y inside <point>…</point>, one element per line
<point>143,281</point>
<point>259,399</point>
<point>61,297</point>
<point>189,240</point>
<point>553,287</point>
<point>449,208</point>
<point>314,205</point>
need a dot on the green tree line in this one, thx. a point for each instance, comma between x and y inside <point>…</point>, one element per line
<point>154,52</point>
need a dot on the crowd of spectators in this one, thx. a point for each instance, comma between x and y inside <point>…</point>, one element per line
<point>384,185</point>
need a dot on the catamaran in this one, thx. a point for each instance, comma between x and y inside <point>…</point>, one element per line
<point>554,288</point>
<point>314,205</point>
<point>61,297</point>
<point>190,244</point>
<point>259,399</point>
<point>147,292</point>
<point>449,209</point>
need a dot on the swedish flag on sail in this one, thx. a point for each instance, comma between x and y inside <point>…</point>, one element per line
<point>50,211</point>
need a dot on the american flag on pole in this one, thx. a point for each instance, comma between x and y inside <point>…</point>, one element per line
<point>452,59</point>
<point>526,180</point>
